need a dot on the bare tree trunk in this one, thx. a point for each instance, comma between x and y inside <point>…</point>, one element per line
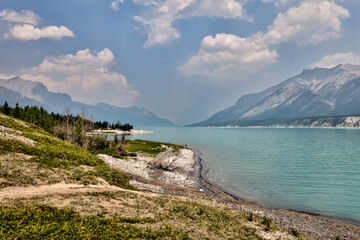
<point>67,112</point>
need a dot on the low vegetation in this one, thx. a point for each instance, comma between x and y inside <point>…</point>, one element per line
<point>128,148</point>
<point>48,154</point>
<point>31,157</point>
<point>47,222</point>
<point>125,215</point>
<point>148,147</point>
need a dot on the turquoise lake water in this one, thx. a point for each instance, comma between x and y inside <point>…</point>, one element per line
<point>312,170</point>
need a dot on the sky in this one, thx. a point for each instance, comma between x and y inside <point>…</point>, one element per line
<point>184,60</point>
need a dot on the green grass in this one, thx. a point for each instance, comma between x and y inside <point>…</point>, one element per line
<point>50,152</point>
<point>46,222</point>
<point>149,147</point>
<point>218,222</point>
<point>113,151</point>
<point>133,147</point>
<point>137,216</point>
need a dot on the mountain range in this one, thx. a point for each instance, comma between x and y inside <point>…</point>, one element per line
<point>317,92</point>
<point>32,93</point>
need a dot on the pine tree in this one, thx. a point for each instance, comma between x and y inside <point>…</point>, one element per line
<point>6,108</point>
<point>16,111</point>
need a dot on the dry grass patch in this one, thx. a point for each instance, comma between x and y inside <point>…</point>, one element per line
<point>17,169</point>
<point>196,218</point>
<point>9,134</point>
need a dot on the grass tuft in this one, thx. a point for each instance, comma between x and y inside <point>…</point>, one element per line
<point>47,222</point>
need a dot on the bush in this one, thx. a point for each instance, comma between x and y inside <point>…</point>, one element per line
<point>267,222</point>
<point>294,233</point>
<point>250,218</point>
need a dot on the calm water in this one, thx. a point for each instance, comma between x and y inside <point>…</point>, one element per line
<point>314,170</point>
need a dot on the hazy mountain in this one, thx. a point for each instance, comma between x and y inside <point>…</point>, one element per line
<point>314,92</point>
<point>35,93</point>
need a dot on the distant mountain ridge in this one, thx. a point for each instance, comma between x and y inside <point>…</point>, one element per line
<point>27,92</point>
<point>315,92</point>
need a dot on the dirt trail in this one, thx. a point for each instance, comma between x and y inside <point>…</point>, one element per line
<point>59,188</point>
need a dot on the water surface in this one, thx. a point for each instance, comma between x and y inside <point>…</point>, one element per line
<point>312,170</point>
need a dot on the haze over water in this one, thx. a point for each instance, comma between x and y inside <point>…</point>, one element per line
<point>312,170</point>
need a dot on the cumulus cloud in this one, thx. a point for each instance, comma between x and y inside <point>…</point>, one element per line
<point>158,21</point>
<point>310,23</point>
<point>83,61</point>
<point>85,76</point>
<point>228,53</point>
<point>26,32</point>
<point>115,4</point>
<point>25,16</point>
<point>330,61</point>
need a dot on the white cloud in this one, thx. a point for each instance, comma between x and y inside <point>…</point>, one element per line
<point>158,21</point>
<point>147,2</point>
<point>26,32</point>
<point>214,8</point>
<point>339,58</point>
<point>4,76</point>
<point>82,61</point>
<point>25,16</point>
<point>310,23</point>
<point>115,4</point>
<point>85,77</point>
<point>228,54</point>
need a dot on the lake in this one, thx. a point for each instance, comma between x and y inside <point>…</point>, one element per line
<point>303,169</point>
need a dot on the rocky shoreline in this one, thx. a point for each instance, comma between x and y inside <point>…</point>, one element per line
<point>181,174</point>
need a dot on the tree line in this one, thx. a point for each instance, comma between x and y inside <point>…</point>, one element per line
<point>65,126</point>
<point>118,126</point>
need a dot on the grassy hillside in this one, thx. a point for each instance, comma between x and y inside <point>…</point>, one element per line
<point>51,189</point>
<point>33,156</point>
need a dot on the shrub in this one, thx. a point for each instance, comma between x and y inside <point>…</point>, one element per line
<point>250,217</point>
<point>267,222</point>
<point>294,233</point>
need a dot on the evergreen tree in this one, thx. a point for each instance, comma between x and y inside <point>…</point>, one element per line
<point>16,111</point>
<point>6,108</point>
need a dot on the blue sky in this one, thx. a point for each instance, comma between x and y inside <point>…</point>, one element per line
<point>182,59</point>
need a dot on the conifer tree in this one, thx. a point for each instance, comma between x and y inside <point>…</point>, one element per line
<point>6,108</point>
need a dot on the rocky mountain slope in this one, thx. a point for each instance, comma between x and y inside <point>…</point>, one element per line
<point>35,93</point>
<point>313,93</point>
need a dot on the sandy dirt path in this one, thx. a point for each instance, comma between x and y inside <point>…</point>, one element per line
<point>59,188</point>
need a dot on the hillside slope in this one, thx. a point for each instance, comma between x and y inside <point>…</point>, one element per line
<point>313,93</point>
<point>35,93</point>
